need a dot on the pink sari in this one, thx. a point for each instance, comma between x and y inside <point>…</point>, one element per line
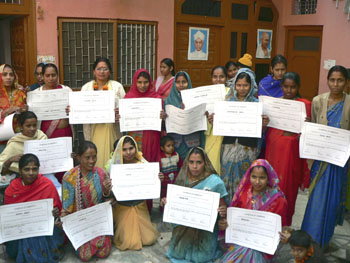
<point>163,89</point>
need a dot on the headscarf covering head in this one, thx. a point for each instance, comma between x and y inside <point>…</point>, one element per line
<point>15,81</point>
<point>174,97</point>
<point>199,35</point>
<point>135,93</point>
<point>246,61</point>
<point>250,97</point>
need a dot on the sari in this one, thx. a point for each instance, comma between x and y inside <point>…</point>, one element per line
<point>191,244</point>
<point>327,195</point>
<point>80,192</point>
<point>165,88</point>
<point>282,152</point>
<point>237,153</point>
<point>183,143</point>
<point>271,87</point>
<point>271,200</point>
<point>35,249</point>
<point>132,223</point>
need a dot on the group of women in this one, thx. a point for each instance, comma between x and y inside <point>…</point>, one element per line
<point>227,165</point>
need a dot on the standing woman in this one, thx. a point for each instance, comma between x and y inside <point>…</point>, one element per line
<point>271,85</point>
<point>232,69</point>
<point>12,97</point>
<point>326,206</point>
<point>282,150</point>
<point>103,135</point>
<point>164,82</point>
<point>85,186</point>
<point>183,143</point>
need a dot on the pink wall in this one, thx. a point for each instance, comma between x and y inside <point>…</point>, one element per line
<point>336,32</point>
<point>160,11</point>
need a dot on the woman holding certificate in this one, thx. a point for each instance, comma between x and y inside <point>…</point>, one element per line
<point>32,186</point>
<point>258,190</point>
<point>326,205</point>
<point>282,149</point>
<point>84,186</point>
<point>164,82</point>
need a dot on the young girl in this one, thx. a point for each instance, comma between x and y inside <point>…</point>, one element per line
<point>164,82</point>
<point>232,69</point>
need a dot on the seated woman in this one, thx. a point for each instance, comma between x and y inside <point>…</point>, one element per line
<point>133,227</point>
<point>190,244</point>
<point>84,186</point>
<point>258,190</point>
<point>32,186</point>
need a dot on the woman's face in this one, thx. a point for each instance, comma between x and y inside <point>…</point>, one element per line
<point>242,87</point>
<point>8,77</point>
<point>88,159</point>
<point>232,71</point>
<point>218,76</point>
<point>181,83</point>
<point>278,71</point>
<point>196,165</point>
<point>129,153</point>
<point>290,89</point>
<point>258,179</point>
<point>165,70</point>
<point>50,77</point>
<point>29,173</point>
<point>336,83</point>
<point>29,127</point>
<point>142,84</point>
<point>102,71</point>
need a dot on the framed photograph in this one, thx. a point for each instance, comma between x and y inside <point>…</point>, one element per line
<point>198,43</point>
<point>264,45</point>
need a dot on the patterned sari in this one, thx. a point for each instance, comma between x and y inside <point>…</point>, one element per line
<point>326,206</point>
<point>80,192</point>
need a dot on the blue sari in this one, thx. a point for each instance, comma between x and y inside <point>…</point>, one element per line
<point>271,87</point>
<point>326,206</point>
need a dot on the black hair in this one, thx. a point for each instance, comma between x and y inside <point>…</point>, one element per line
<point>145,75</point>
<point>293,76</point>
<point>85,146</point>
<point>39,65</point>
<point>166,139</point>
<point>170,63</point>
<point>129,140</point>
<point>102,59</point>
<point>9,66</point>
<point>25,116</point>
<point>229,64</point>
<point>196,150</point>
<point>260,166</point>
<point>245,76</point>
<point>278,59</point>
<point>300,238</point>
<point>338,68</point>
<point>115,144</point>
<point>49,65</point>
<point>219,67</point>
<point>181,74</point>
<point>28,158</point>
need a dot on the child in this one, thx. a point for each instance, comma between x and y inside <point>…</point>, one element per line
<point>170,163</point>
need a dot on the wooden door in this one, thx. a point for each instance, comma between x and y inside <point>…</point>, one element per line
<point>303,47</point>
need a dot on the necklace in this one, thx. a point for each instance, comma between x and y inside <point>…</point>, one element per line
<point>105,87</point>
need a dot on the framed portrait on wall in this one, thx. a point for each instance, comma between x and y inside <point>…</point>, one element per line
<point>198,43</point>
<point>264,43</point>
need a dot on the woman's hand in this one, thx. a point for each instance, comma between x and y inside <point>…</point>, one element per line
<point>222,211</point>
<point>307,119</point>
<point>161,176</point>
<point>68,110</point>
<point>285,234</point>
<point>211,118</point>
<point>15,159</point>
<point>163,202</point>
<point>117,116</point>
<point>107,186</point>
<point>163,115</point>
<point>222,223</point>
<point>56,212</point>
<point>13,109</point>
<point>265,121</point>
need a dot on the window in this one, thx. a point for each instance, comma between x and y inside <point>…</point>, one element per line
<point>233,50</point>
<point>202,8</point>
<point>16,2</point>
<point>244,43</point>
<point>304,7</point>
<point>266,14</point>
<point>306,43</point>
<point>240,11</point>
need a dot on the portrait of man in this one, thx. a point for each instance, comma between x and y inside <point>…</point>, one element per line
<point>198,43</point>
<point>263,49</point>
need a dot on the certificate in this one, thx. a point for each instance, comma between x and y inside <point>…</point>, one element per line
<point>206,94</point>
<point>54,154</point>
<point>137,181</point>
<point>324,143</point>
<point>254,229</point>
<point>6,128</point>
<point>49,104</point>
<point>286,115</point>
<point>92,107</point>
<point>23,220</point>
<point>185,121</point>
<point>89,223</point>
<point>191,207</point>
<point>140,114</point>
<point>235,118</point>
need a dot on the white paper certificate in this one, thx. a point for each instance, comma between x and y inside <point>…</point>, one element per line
<point>235,118</point>
<point>54,154</point>
<point>49,104</point>
<point>137,181</point>
<point>286,115</point>
<point>185,121</point>
<point>324,143</point>
<point>87,224</point>
<point>6,128</point>
<point>255,229</point>
<point>92,107</point>
<point>140,114</point>
<point>191,207</point>
<point>206,94</point>
<point>29,219</point>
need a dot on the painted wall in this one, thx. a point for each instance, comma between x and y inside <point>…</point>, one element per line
<point>336,32</point>
<point>161,11</point>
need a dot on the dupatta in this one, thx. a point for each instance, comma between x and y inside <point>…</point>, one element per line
<point>251,96</point>
<point>174,97</point>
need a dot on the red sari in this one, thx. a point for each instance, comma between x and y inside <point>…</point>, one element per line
<point>282,152</point>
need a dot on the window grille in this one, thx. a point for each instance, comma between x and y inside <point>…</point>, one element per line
<point>304,7</point>
<point>15,2</point>
<point>210,8</point>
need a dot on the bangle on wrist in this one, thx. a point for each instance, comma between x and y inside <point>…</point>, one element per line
<point>104,195</point>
